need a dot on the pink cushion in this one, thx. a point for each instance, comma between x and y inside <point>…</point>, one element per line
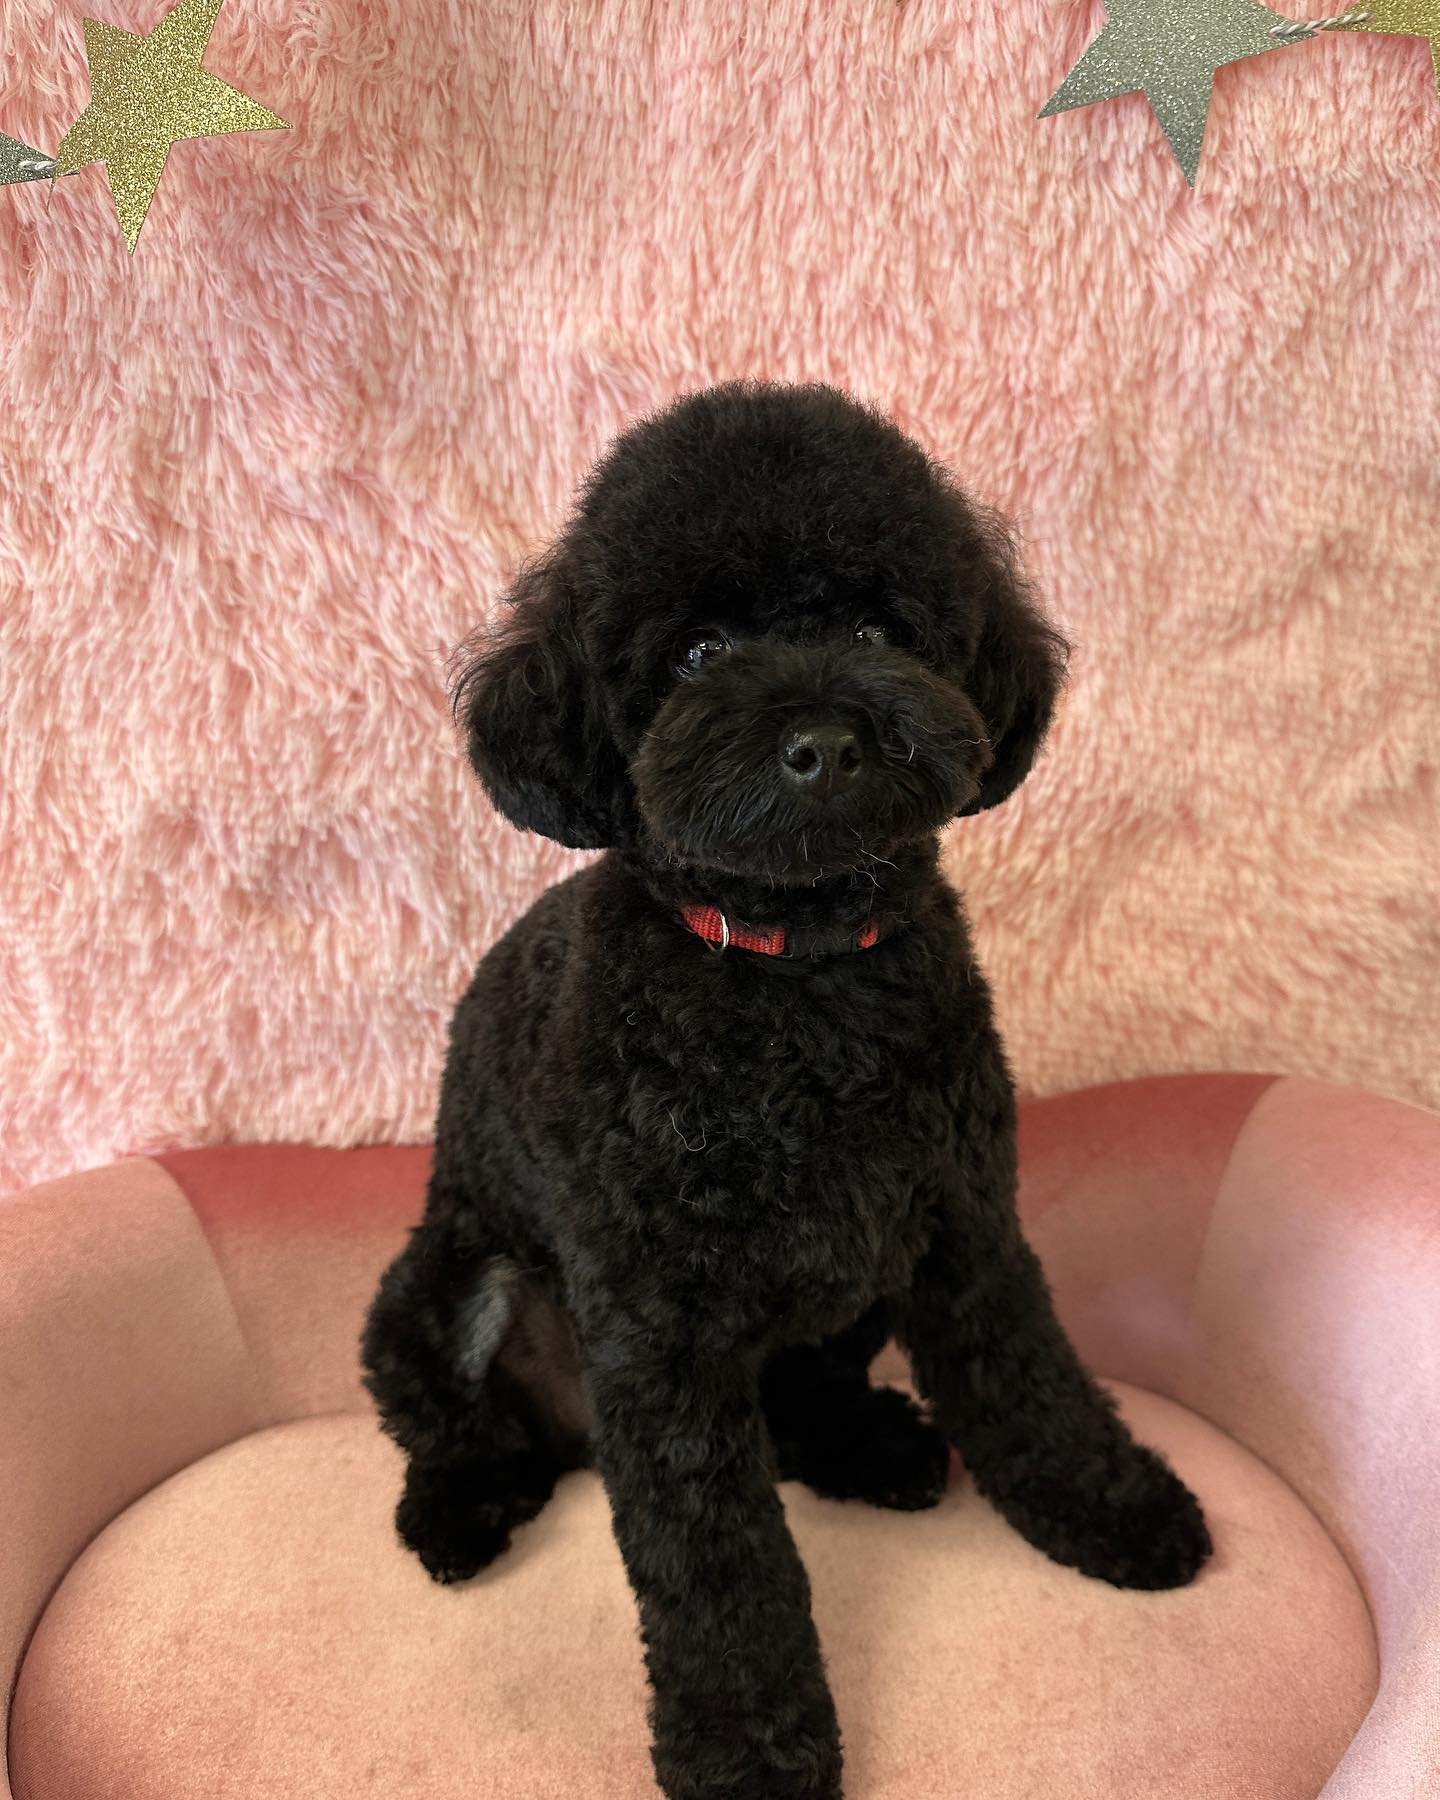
<point>252,1628</point>
<point>1288,1289</point>
<point>1262,1252</point>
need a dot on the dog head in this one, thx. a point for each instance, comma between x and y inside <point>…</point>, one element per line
<point>773,639</point>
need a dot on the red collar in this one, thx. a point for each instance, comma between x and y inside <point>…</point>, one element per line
<point>710,923</point>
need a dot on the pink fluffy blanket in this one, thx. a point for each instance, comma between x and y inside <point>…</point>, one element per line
<point>256,482</point>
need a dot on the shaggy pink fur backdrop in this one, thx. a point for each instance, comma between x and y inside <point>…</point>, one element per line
<point>259,480</point>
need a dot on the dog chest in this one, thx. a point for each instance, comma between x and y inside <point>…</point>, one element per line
<point>778,1136</point>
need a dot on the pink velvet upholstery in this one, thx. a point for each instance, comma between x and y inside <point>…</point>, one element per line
<point>195,1543</point>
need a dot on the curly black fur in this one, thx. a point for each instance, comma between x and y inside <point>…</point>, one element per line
<point>681,1197</point>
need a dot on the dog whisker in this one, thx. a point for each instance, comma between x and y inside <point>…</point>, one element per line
<point>694,1149</point>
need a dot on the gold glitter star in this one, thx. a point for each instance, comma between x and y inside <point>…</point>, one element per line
<point>1404,18</point>
<point>147,93</point>
<point>1170,50</point>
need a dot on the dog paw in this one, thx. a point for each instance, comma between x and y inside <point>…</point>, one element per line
<point>458,1519</point>
<point>880,1449</point>
<point>801,1767</point>
<point>1130,1521</point>
<point>764,1784</point>
<point>774,1737</point>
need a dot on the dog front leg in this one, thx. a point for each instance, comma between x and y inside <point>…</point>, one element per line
<point>740,1707</point>
<point>1041,1438</point>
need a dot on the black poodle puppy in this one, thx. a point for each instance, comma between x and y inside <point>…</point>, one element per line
<point>727,1109</point>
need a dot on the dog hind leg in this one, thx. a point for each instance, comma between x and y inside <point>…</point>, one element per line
<point>842,1437</point>
<point>482,1455</point>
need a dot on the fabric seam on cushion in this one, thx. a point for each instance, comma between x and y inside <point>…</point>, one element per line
<point>264,1412</point>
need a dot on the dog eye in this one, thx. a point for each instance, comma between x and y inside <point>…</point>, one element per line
<point>705,646</point>
<point>872,632</point>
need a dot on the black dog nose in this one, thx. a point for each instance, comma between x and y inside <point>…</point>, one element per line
<point>822,759</point>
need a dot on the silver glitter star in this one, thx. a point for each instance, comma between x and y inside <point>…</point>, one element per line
<point>18,162</point>
<point>1169,50</point>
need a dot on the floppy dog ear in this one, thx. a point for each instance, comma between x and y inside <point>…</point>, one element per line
<point>1016,676</point>
<point>534,725</point>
